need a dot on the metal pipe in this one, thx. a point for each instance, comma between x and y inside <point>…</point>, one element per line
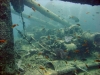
<point>33,18</point>
<point>61,67</point>
<point>46,12</point>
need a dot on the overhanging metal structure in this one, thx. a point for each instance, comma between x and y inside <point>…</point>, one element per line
<point>46,12</point>
<point>32,18</point>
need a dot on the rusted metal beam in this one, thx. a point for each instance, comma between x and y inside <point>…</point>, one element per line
<point>46,12</point>
<point>7,57</point>
<point>32,18</point>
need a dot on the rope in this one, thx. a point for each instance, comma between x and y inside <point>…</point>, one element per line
<point>23,23</point>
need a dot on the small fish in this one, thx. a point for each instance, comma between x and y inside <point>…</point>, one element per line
<point>47,10</point>
<point>65,50</point>
<point>85,44</point>
<point>40,53</point>
<point>28,65</point>
<point>76,51</point>
<point>74,60</point>
<point>66,62</point>
<point>86,65</point>
<point>14,25</point>
<point>93,15</point>
<point>33,8</point>
<point>43,29</point>
<point>87,51</point>
<point>42,68</point>
<point>58,16</point>
<point>29,16</point>
<point>87,12</point>
<point>97,60</point>
<point>78,37</point>
<point>59,11</point>
<point>3,41</point>
<point>38,4</point>
<point>74,18</point>
<point>97,12</point>
<point>78,24</point>
<point>47,57</point>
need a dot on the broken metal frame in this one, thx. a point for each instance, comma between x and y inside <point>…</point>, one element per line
<point>70,68</point>
<point>32,18</point>
<point>46,12</point>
